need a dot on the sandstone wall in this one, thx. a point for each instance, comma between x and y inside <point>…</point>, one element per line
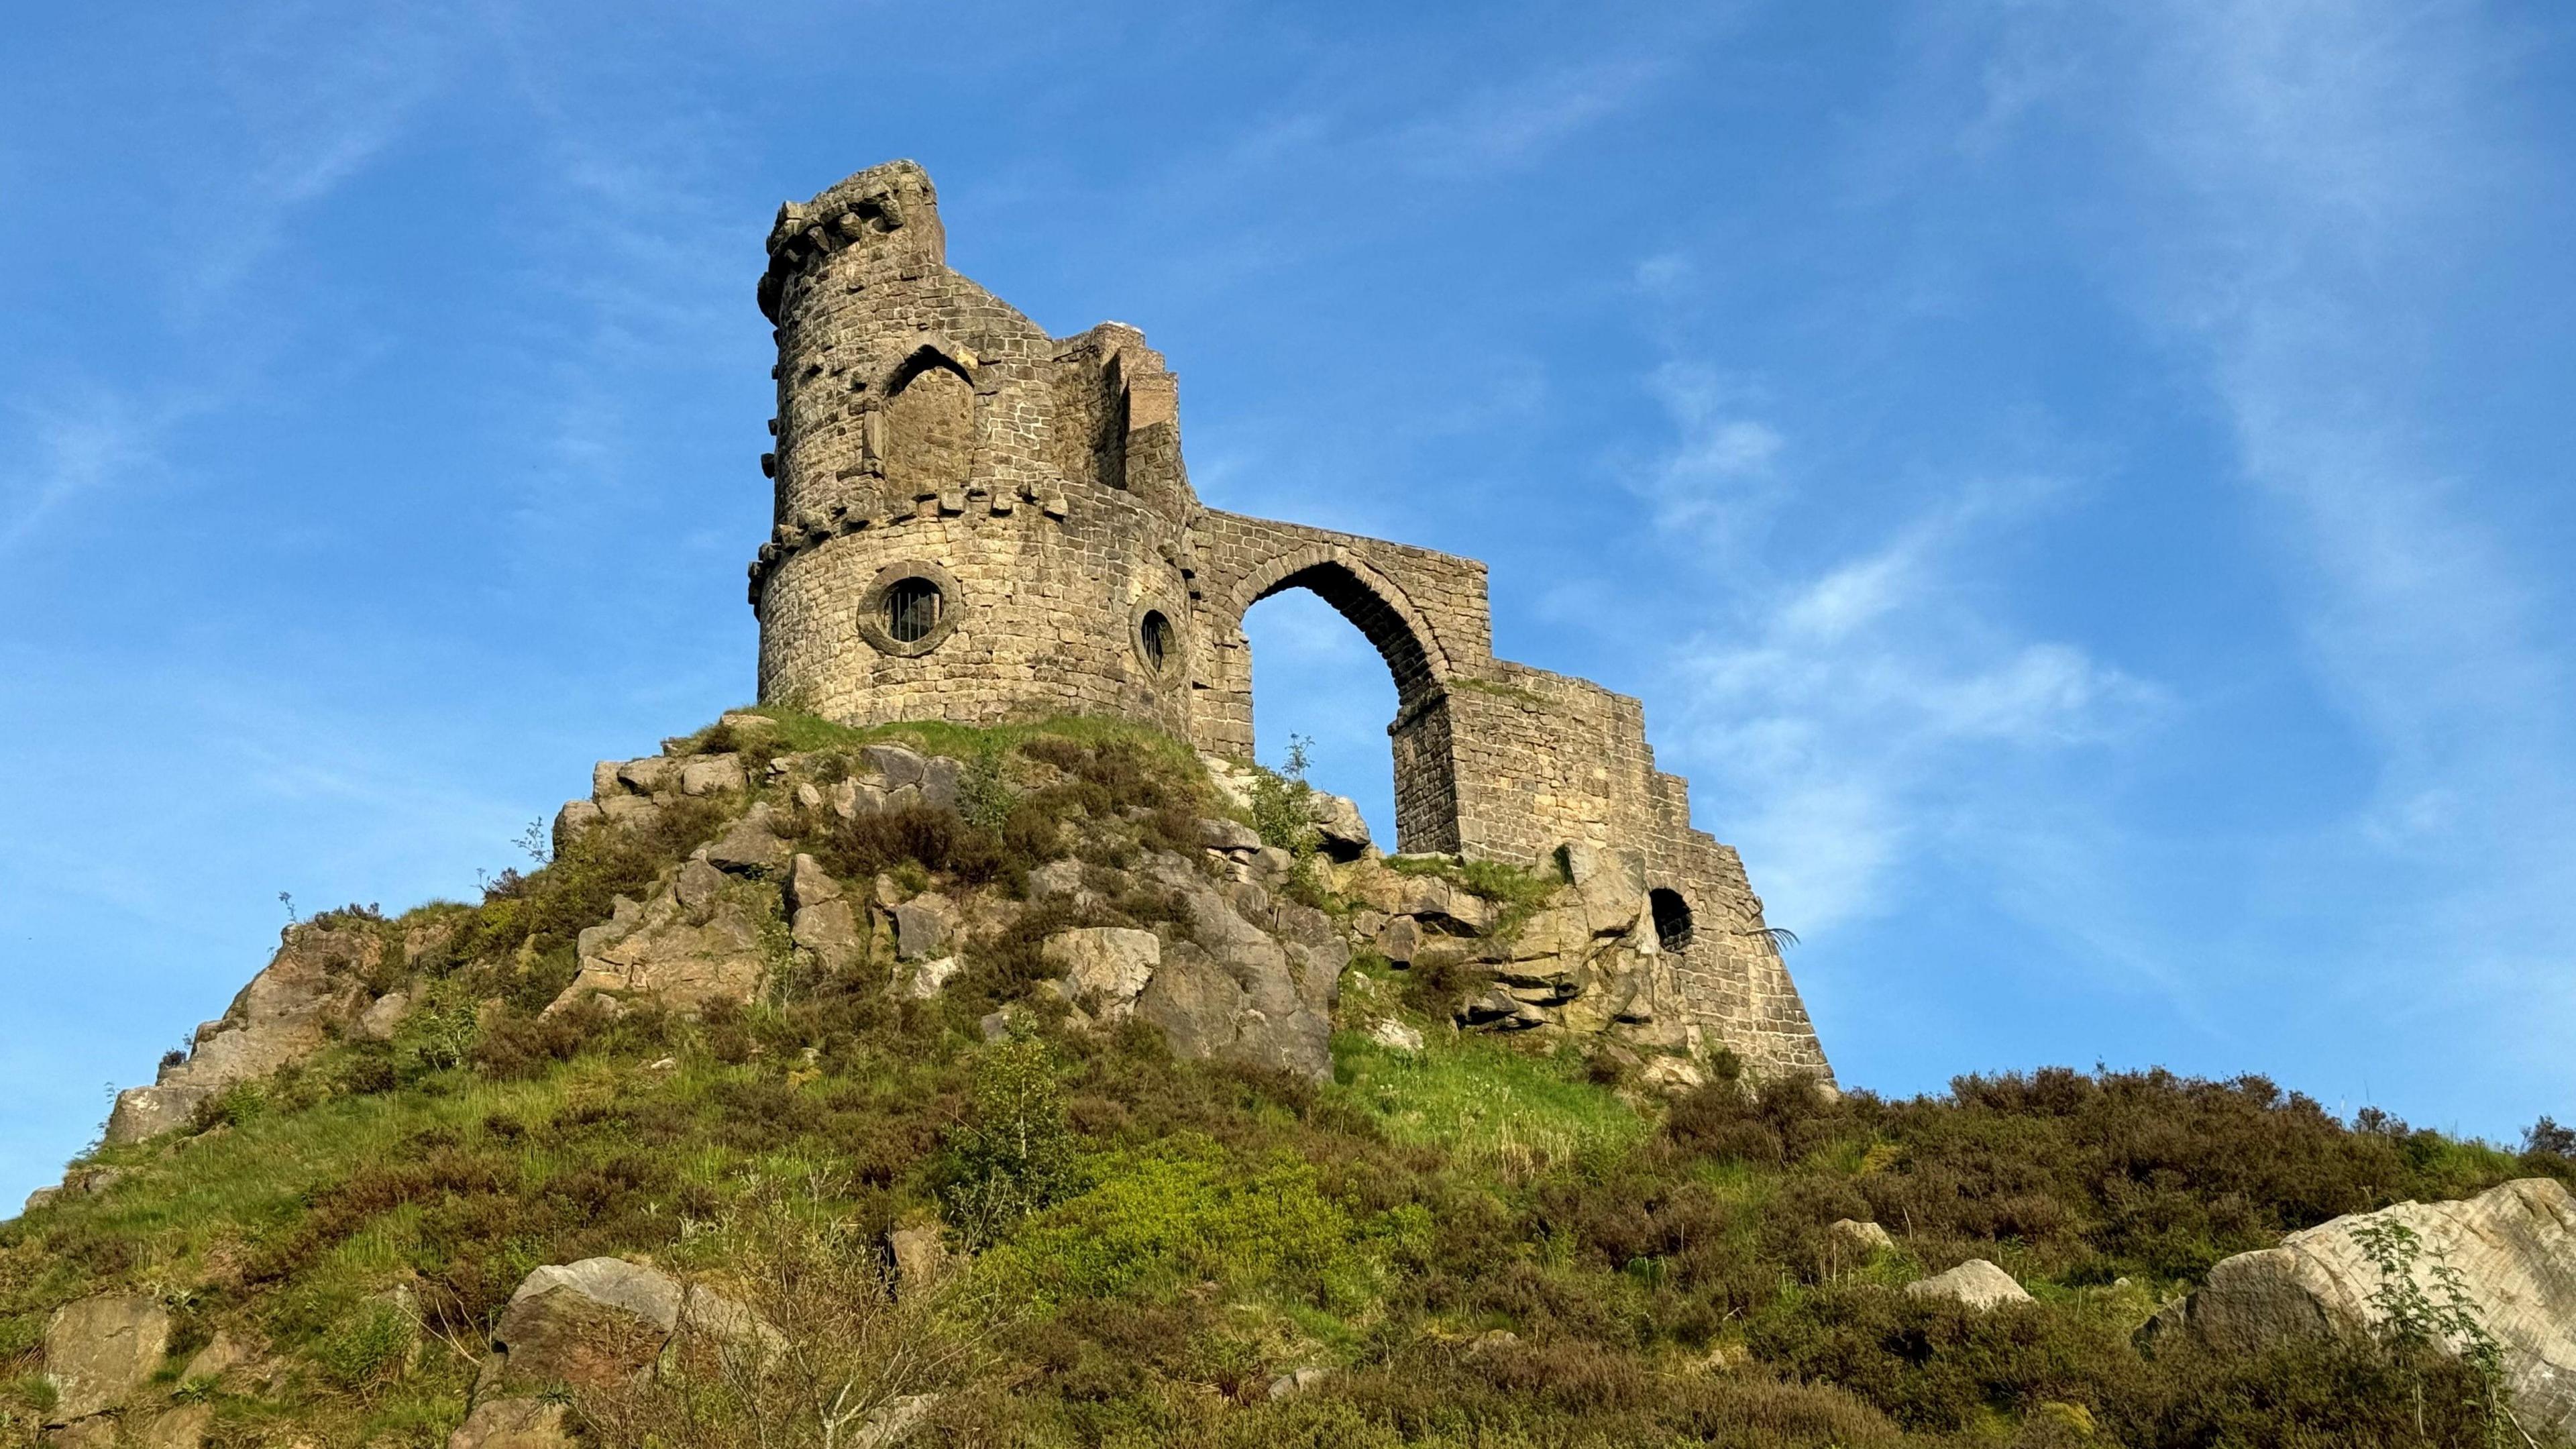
<point>931,437</point>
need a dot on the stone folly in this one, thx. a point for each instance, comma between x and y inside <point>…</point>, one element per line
<point>979,522</point>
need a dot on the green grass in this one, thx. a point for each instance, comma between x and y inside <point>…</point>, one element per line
<point>802,733</point>
<point>1486,1100</point>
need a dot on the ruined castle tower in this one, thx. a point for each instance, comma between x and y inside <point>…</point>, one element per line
<point>979,522</point>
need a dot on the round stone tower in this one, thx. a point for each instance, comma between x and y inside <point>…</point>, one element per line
<point>975,521</point>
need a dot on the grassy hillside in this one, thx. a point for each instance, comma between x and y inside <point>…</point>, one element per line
<point>1484,1242</point>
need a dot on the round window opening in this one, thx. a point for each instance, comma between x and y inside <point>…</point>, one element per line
<point>1672,919</point>
<point>912,610</point>
<point>1154,633</point>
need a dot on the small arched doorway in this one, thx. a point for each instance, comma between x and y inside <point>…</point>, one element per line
<point>1673,924</point>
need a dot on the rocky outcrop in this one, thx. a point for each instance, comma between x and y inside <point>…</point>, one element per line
<point>2514,1248</point>
<point>1255,981</point>
<point>1977,1283</point>
<point>100,1350</point>
<point>315,986</point>
<point>695,941</point>
<point>1105,967</point>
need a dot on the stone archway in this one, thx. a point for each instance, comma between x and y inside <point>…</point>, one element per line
<point>1426,793</point>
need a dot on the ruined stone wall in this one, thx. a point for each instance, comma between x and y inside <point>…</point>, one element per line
<point>929,437</point>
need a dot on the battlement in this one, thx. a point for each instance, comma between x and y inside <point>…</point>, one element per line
<point>979,522</point>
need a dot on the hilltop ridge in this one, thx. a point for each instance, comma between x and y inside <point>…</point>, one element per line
<point>1053,1084</point>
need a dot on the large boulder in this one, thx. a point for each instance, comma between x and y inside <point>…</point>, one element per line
<point>596,1324</point>
<point>2514,1248</point>
<point>1977,1283</point>
<point>144,1112</point>
<point>1340,831</point>
<point>101,1349</point>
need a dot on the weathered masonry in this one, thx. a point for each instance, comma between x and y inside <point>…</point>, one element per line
<point>977,521</point>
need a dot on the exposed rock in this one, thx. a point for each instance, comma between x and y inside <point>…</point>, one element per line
<point>1977,1283</point>
<point>922,980</point>
<point>1492,1340</point>
<point>1228,835</point>
<point>1238,994</point>
<point>1866,1239</point>
<point>920,1255</point>
<point>1295,1382</point>
<point>749,846</point>
<point>221,1355</point>
<point>1396,1036</point>
<point>698,887</point>
<point>143,1112</point>
<point>630,812</point>
<point>512,1423</point>
<point>713,775</point>
<point>898,766</point>
<point>665,949</point>
<point>312,986</point>
<point>1056,878</point>
<point>922,925</point>
<point>994,1025</point>
<point>181,1428</point>
<point>378,1021</point>
<point>100,1349</point>
<point>651,775</point>
<point>575,817</point>
<point>831,931</point>
<point>93,1433</point>
<point>1399,939</point>
<point>1611,885</point>
<point>604,783</point>
<point>1341,832</point>
<point>1233,782</point>
<point>39,1198</point>
<point>1104,967</point>
<point>851,799</point>
<point>943,783</point>
<point>595,1324</point>
<point>2513,1246</point>
<point>1672,1074</point>
<point>808,884</point>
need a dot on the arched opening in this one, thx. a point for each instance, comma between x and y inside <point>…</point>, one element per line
<point>1672,918</point>
<point>1310,679</point>
<point>1315,679</point>
<point>929,428</point>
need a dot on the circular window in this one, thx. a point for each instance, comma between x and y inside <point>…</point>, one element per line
<point>1672,919</point>
<point>909,609</point>
<point>912,610</point>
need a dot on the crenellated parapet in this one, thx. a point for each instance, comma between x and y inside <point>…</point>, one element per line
<point>981,522</point>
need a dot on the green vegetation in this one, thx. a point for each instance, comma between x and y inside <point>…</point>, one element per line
<point>1486,1243</point>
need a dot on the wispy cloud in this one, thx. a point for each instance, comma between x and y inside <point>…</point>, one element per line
<point>68,448</point>
<point>1849,719</point>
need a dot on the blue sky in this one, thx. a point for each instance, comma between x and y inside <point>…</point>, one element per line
<point>2081,489</point>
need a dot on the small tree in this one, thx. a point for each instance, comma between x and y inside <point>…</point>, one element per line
<point>2416,1320</point>
<point>1014,1153</point>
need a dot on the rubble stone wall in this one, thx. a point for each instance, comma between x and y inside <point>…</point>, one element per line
<point>931,438</point>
